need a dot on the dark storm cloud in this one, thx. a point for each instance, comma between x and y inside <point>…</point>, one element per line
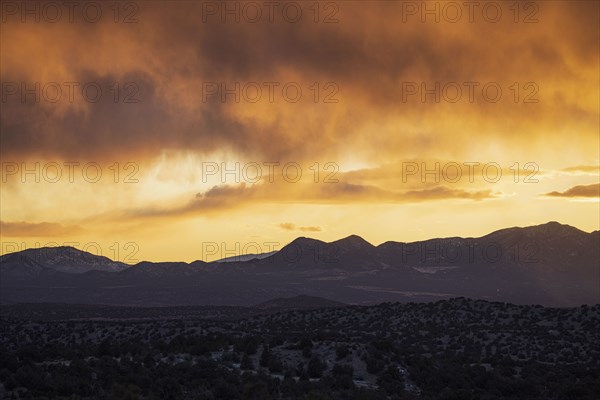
<point>134,122</point>
<point>171,53</point>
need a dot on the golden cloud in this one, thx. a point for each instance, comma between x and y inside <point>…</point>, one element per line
<point>37,229</point>
<point>592,190</point>
<point>288,226</point>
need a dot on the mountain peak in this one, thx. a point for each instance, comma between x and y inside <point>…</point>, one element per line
<point>353,242</point>
<point>554,225</point>
<point>548,229</point>
<point>303,242</point>
<point>70,259</point>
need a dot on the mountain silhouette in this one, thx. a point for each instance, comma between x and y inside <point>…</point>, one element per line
<point>551,264</point>
<point>64,259</point>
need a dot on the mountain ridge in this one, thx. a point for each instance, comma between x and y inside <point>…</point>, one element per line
<point>350,241</point>
<point>550,264</point>
<point>66,259</point>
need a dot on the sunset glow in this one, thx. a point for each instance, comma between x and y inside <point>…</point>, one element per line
<point>177,126</point>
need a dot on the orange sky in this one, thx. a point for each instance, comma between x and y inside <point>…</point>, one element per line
<point>355,119</point>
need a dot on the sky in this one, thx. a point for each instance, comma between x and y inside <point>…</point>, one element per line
<point>177,130</point>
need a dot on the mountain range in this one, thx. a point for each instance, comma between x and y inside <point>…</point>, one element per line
<point>550,264</point>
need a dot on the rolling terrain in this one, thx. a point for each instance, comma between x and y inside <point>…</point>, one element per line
<point>448,349</point>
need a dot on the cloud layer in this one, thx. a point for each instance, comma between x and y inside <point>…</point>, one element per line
<point>181,68</point>
<point>578,191</point>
